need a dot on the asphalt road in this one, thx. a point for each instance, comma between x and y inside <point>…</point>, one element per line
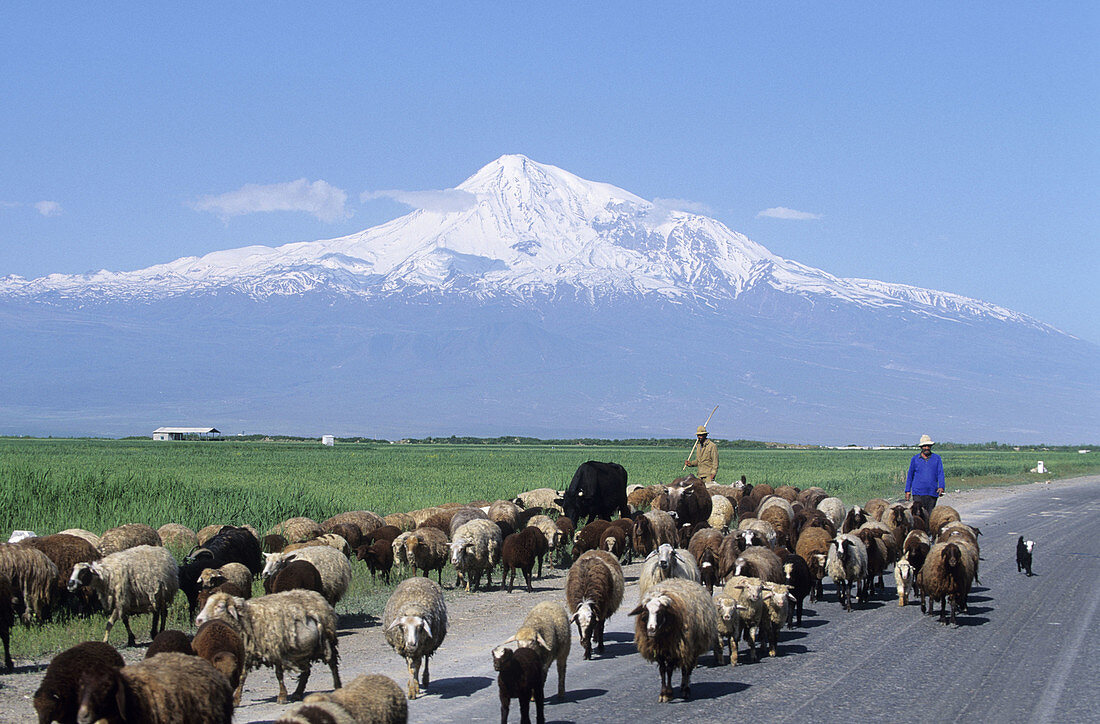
<point>1024,653</point>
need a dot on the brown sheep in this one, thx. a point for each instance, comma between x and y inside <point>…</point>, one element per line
<point>349,532</point>
<point>273,543</point>
<point>651,529</point>
<point>169,640</point>
<point>626,525</point>
<point>593,591</point>
<point>521,677</point>
<point>441,521</point>
<point>65,551</point>
<point>402,521</point>
<point>226,587</point>
<point>296,574</point>
<point>614,541</point>
<point>378,556</point>
<point>941,515</point>
<point>759,562</point>
<point>519,551</point>
<point>364,520</point>
<point>706,540</point>
<point>126,536</point>
<point>813,547</point>
<point>7,619</point>
<point>220,643</point>
<point>787,492</point>
<point>56,697</point>
<point>811,496</point>
<point>428,549</point>
<point>875,507</point>
<point>779,519</point>
<point>947,573</point>
<point>589,537</point>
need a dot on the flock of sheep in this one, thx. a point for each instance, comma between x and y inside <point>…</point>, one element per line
<point>764,549</point>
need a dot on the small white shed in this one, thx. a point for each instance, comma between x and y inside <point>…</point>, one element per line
<point>329,440</point>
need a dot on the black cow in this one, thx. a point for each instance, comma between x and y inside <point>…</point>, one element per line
<point>596,491</point>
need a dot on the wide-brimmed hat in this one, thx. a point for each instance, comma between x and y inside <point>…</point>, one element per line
<point>701,430</point>
<point>925,440</point>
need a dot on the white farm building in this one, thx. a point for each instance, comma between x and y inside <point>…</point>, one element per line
<point>184,433</point>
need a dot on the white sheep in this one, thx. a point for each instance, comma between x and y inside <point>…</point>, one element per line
<point>545,498</point>
<point>287,630</point>
<point>476,549</point>
<point>748,594</point>
<point>142,579</point>
<point>334,568</point>
<point>834,510</point>
<point>847,564</point>
<point>664,563</point>
<point>721,512</point>
<point>546,631</point>
<point>415,624</point>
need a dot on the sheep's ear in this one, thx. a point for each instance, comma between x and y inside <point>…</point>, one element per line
<point>541,641</point>
<point>427,628</point>
<point>395,624</point>
<point>509,640</point>
<point>637,611</point>
<point>573,618</point>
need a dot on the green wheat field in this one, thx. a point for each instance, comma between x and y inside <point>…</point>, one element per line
<point>49,485</point>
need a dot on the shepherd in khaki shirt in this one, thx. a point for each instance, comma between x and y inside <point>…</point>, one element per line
<point>707,459</point>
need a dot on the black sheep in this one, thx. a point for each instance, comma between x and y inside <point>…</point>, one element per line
<point>1024,549</point>
<point>796,574</point>
<point>589,537</point>
<point>230,545</point>
<point>521,677</point>
<point>295,574</point>
<point>519,551</point>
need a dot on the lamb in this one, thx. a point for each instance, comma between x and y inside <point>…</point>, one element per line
<point>948,573</point>
<point>368,699</point>
<point>759,562</point>
<point>664,563</point>
<point>415,624</point>
<point>231,588</point>
<point>378,556</point>
<point>476,549</point>
<point>32,577</point>
<point>566,526</point>
<point>426,549</point>
<point>169,688</point>
<point>729,624</point>
<point>847,564</point>
<point>614,541</point>
<point>941,515</point>
<point>235,573</point>
<point>169,641</point>
<point>651,530</point>
<point>676,622</point>
<point>521,677</point>
<point>295,574</point>
<point>286,630</point>
<point>136,580</point>
<point>905,579</point>
<point>813,547</point>
<point>777,600</point>
<point>220,643</point>
<point>519,551</point>
<point>555,537</point>
<point>589,537</point>
<point>56,697</point>
<point>127,536</point>
<point>593,592</point>
<point>1024,551</point>
<point>797,575</point>
<point>334,568</point>
<point>546,631</point>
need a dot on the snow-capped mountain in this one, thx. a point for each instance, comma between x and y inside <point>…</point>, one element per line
<point>528,231</point>
<point>538,303</point>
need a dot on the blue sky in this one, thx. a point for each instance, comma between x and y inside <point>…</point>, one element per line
<point>942,146</point>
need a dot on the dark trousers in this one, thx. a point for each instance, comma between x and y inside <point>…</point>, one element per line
<point>926,502</point>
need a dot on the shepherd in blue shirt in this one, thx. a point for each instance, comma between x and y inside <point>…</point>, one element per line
<point>924,481</point>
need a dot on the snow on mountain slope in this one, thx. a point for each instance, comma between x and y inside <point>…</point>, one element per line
<point>527,231</point>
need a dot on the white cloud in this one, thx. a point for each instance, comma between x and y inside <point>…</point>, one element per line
<point>782,212</point>
<point>662,209</point>
<point>48,208</point>
<point>318,198</point>
<point>443,201</point>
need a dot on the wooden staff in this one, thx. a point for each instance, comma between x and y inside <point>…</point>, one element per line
<point>697,437</point>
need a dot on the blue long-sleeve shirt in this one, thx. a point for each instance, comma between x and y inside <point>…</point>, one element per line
<point>925,477</point>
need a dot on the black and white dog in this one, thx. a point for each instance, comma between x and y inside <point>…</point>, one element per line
<point>1024,549</point>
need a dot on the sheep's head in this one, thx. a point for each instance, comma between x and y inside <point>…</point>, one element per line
<point>83,574</point>
<point>272,563</point>
<point>212,577</point>
<point>727,608</point>
<point>657,612</point>
<point>904,569</point>
<point>665,555</point>
<point>414,628</point>
<point>1029,545</point>
<point>529,638</point>
<point>100,696</point>
<point>461,548</point>
<point>584,617</point>
<point>501,656</point>
<point>220,606</point>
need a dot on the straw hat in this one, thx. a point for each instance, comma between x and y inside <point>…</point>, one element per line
<point>701,430</point>
<point>925,440</point>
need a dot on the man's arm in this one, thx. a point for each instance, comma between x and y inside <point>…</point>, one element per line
<point>940,480</point>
